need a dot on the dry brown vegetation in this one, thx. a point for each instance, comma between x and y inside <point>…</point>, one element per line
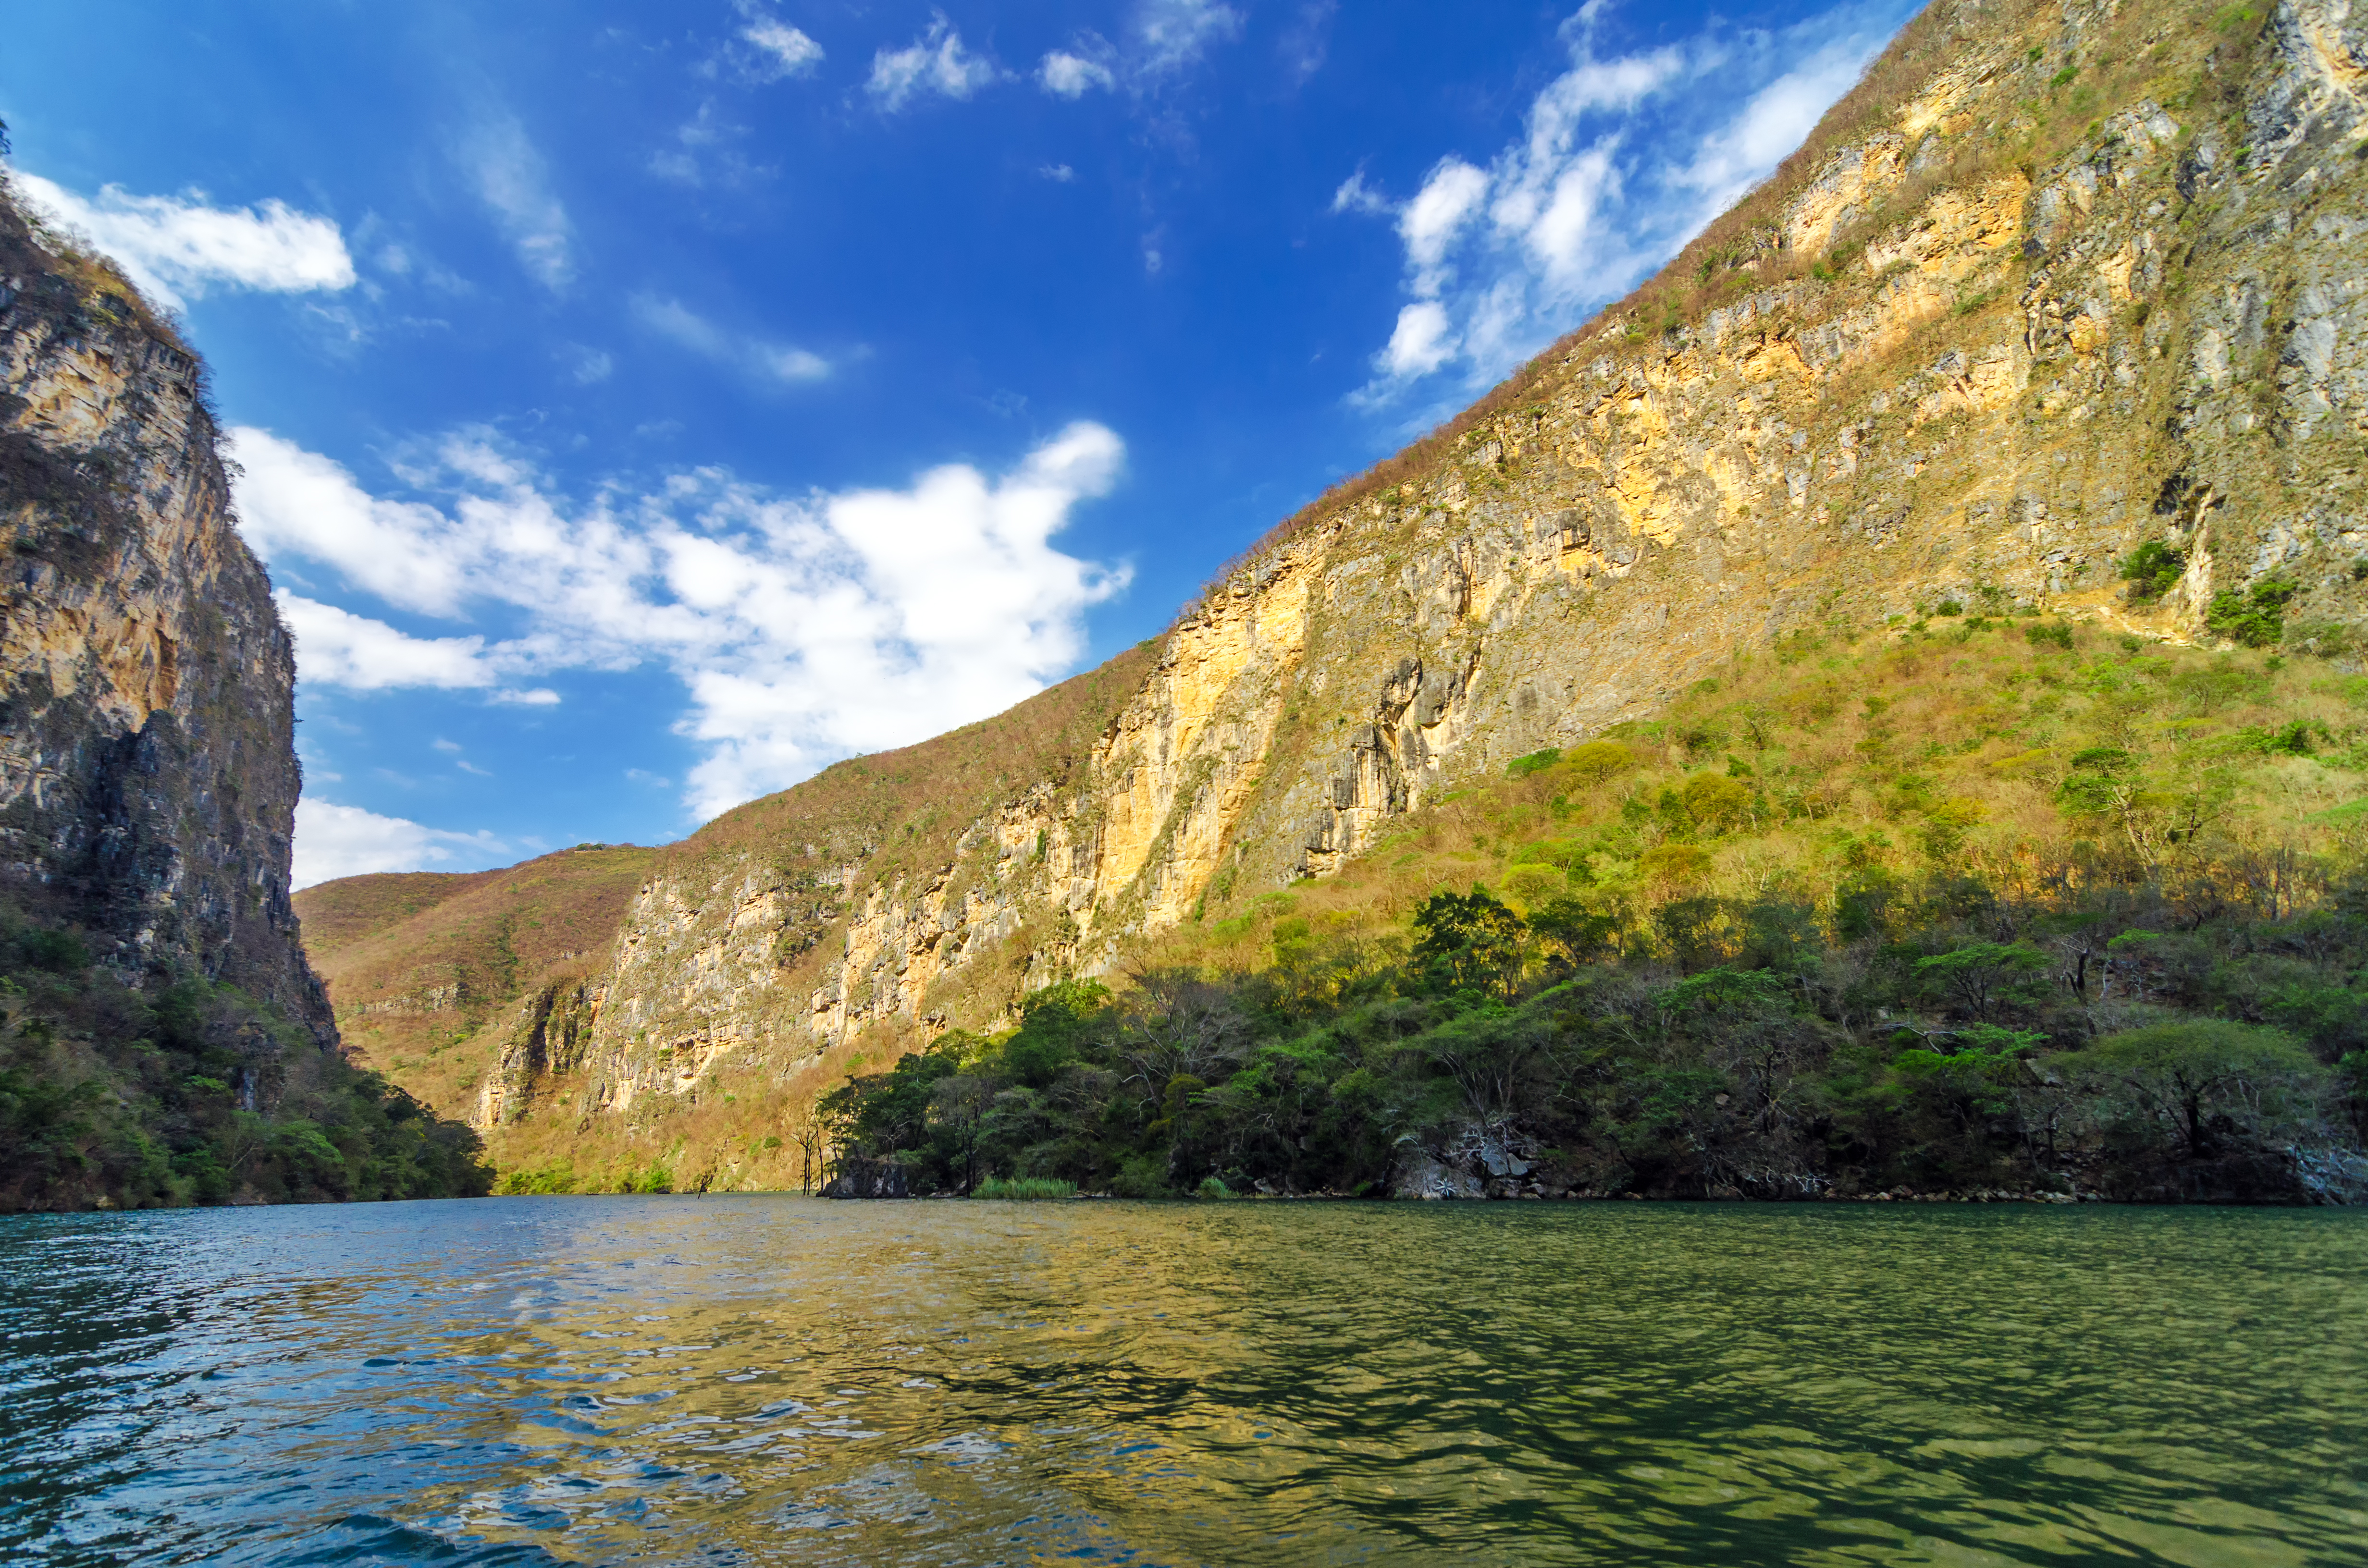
<point>418,962</point>
<point>904,809</point>
<point>1881,761</point>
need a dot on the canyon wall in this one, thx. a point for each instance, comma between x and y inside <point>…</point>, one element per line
<point>148,778</point>
<point>2096,274</point>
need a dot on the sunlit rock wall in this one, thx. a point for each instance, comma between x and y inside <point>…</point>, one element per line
<point>1948,367</point>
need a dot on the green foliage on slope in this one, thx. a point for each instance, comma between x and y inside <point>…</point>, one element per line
<point>116,1098</point>
<point>2010,904</point>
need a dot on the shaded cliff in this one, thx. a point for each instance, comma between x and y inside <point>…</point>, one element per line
<point>2059,284</point>
<point>153,984</point>
<point>148,775</point>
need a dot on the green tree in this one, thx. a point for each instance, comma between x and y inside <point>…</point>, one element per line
<point>1470,940</point>
<point>1981,977</point>
<point>2209,1080</point>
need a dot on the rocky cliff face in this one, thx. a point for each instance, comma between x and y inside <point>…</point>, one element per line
<point>2094,275</point>
<point>148,781</point>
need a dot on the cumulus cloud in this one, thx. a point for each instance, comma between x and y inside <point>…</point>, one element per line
<point>1069,76</point>
<point>804,629</point>
<point>513,181</point>
<point>336,647</point>
<point>935,62</point>
<point>1422,342</point>
<point>1435,218</point>
<point>675,322</point>
<point>1622,158</point>
<point>335,841</point>
<point>174,248</point>
<point>780,49</point>
<point>292,501</point>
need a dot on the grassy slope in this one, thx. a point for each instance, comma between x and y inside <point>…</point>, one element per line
<point>387,946</point>
<point>1896,753</point>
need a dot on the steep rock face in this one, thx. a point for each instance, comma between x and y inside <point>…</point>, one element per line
<point>148,782</point>
<point>2005,332</point>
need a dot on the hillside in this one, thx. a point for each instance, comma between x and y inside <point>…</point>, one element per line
<point>2059,290</point>
<point>1971,906</point>
<point>419,962</point>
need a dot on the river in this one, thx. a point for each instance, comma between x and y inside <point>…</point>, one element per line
<point>776,1379</point>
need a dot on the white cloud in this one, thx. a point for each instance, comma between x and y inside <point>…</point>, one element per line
<point>1431,221</point>
<point>936,62</point>
<point>1355,195</point>
<point>335,841</point>
<point>1778,119</point>
<point>586,367</point>
<point>1059,174</point>
<point>1163,38</point>
<point>805,630</point>
<point>336,647</point>
<point>1620,160</point>
<point>512,180</point>
<point>440,744</point>
<point>292,501</point>
<point>1072,75</point>
<point>1172,34</point>
<point>1422,342</point>
<point>673,320</point>
<point>782,51</point>
<point>1309,38</point>
<point>533,697</point>
<point>167,244</point>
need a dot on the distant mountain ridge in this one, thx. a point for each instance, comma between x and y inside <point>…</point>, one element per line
<point>2058,282</point>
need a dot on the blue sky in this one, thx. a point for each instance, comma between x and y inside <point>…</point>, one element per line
<point>641,406</point>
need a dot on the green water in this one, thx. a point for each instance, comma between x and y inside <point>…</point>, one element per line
<point>752,1379</point>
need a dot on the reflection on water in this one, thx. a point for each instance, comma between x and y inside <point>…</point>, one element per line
<point>761,1380</point>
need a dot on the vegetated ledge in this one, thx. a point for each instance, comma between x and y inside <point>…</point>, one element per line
<point>1978,908</point>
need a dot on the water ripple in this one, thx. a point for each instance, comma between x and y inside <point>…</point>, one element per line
<point>757,1381</point>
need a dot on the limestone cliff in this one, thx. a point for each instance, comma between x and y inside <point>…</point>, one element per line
<point>148,778</point>
<point>2058,280</point>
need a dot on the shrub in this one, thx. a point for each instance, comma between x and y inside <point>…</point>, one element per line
<point>1674,865</point>
<point>1716,803</point>
<point>2153,570</point>
<point>1598,760</point>
<point>2256,617</point>
<point>59,953</point>
<point>1142,1176</point>
<point>1537,761</point>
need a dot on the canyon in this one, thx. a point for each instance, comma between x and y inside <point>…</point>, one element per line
<point>2055,281</point>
